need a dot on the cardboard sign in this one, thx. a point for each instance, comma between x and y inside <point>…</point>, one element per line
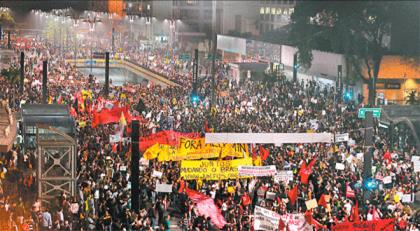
<point>339,166</point>
<point>166,188</point>
<point>311,204</point>
<point>270,195</point>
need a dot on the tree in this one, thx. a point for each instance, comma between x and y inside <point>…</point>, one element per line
<point>355,28</point>
<point>6,19</point>
<point>411,98</point>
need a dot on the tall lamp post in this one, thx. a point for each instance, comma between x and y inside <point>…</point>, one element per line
<point>92,21</point>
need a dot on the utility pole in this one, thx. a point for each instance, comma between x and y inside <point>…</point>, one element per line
<point>367,157</point>
<point>295,67</point>
<point>44,81</point>
<point>9,43</point>
<point>213,61</point>
<point>22,71</point>
<point>195,73</point>
<point>113,40</point>
<point>106,90</point>
<point>135,168</point>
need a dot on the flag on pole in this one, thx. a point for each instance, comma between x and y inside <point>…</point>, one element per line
<point>293,194</point>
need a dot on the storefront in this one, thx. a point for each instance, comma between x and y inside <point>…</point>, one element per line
<point>397,78</point>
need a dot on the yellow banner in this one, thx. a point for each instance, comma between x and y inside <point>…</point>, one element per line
<point>213,169</point>
<point>194,149</point>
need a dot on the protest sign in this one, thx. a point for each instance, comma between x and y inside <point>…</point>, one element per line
<point>296,222</point>
<point>157,174</point>
<point>342,137</point>
<point>283,176</point>
<point>114,138</point>
<point>339,166</point>
<point>265,219</point>
<point>269,170</point>
<point>213,169</point>
<point>311,204</point>
<point>383,225</point>
<point>166,188</point>
<point>416,163</point>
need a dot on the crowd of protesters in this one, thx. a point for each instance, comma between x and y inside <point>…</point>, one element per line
<point>103,199</point>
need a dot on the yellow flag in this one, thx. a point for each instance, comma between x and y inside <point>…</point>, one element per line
<point>123,122</point>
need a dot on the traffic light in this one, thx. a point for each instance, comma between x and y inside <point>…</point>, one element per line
<point>370,184</point>
<point>348,95</point>
<point>195,99</point>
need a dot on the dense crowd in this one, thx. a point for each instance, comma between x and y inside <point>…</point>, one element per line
<point>103,200</point>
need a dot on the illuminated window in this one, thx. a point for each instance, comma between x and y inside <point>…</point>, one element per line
<point>267,10</point>
<point>279,10</point>
<point>273,11</point>
<point>291,10</point>
<point>262,10</point>
<point>286,11</point>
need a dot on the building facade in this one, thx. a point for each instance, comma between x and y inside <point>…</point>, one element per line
<point>274,14</point>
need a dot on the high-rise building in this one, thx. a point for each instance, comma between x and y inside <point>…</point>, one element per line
<point>274,14</point>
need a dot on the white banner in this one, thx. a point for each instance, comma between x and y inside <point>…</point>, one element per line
<point>342,137</point>
<point>296,222</point>
<point>167,188</point>
<point>268,138</point>
<point>265,219</point>
<point>157,174</point>
<point>269,170</point>
<point>144,162</point>
<point>283,176</point>
<point>114,138</point>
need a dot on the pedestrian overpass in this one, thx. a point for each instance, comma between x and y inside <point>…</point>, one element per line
<point>125,64</point>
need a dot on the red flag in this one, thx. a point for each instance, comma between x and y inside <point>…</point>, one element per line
<point>356,212</point>
<point>312,163</point>
<point>114,147</point>
<point>293,194</point>
<point>113,115</point>
<point>181,186</point>
<point>246,200</point>
<point>206,127</point>
<point>264,153</point>
<point>322,201</point>
<point>254,153</point>
<point>349,191</point>
<point>303,167</point>
<point>73,112</point>
<point>312,221</point>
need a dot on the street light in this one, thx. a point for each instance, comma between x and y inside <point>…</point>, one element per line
<point>92,21</point>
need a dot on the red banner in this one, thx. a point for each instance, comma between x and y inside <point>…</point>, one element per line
<point>378,225</point>
<point>165,137</point>
<point>206,207</point>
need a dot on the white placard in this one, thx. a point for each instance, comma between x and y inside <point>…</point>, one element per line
<point>387,180</point>
<point>339,166</point>
<point>342,137</point>
<point>114,138</point>
<point>283,176</point>
<point>265,219</point>
<point>167,188</point>
<point>360,156</point>
<point>406,198</point>
<point>157,174</point>
<point>270,195</point>
<point>269,170</point>
<point>123,168</point>
<point>144,162</point>
<point>416,163</point>
<point>351,142</point>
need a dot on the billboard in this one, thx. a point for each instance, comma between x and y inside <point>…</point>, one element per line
<point>231,44</point>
